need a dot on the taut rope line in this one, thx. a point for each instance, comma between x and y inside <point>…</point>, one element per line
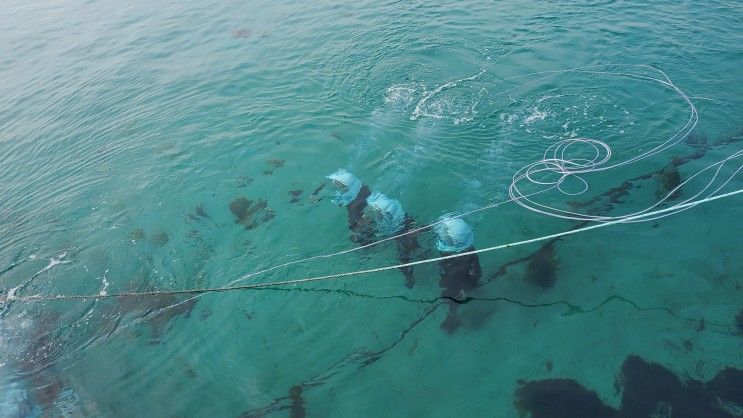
<point>648,215</point>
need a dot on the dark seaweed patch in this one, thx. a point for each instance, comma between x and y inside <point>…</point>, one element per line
<point>728,385</point>
<point>159,310</point>
<point>701,325</point>
<point>295,195</point>
<point>739,321</point>
<point>697,141</point>
<point>250,215</point>
<point>668,179</point>
<point>648,391</point>
<point>137,234</point>
<point>276,163</point>
<point>542,268</point>
<point>297,409</point>
<point>201,212</point>
<point>317,190</point>
<point>243,181</point>
<point>160,238</point>
<point>560,398</point>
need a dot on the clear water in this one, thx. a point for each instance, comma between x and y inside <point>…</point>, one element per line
<point>118,121</point>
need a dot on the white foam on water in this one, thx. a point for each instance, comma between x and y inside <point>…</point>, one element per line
<point>55,262</point>
<point>105,282</point>
<point>420,108</point>
<point>400,95</point>
<point>508,119</point>
<point>535,116</point>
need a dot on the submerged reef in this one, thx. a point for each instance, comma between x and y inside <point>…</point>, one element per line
<point>251,215</point>
<point>649,390</point>
<point>542,268</point>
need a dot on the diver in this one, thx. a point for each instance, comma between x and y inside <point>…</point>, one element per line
<point>458,275</point>
<point>351,193</point>
<point>372,216</point>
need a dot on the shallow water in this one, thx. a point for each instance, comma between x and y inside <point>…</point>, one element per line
<point>127,132</point>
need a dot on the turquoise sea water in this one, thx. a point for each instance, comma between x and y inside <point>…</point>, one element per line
<point>128,130</point>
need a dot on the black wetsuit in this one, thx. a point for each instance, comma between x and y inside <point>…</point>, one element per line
<point>356,211</point>
<point>458,275</point>
<point>362,232</point>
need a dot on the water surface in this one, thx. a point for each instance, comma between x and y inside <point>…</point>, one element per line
<point>127,131</point>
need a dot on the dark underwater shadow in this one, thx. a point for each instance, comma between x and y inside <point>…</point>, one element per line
<point>649,390</point>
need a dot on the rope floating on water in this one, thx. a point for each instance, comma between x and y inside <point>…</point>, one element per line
<point>292,282</point>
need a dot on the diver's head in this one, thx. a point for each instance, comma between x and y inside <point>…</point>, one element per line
<point>454,235</point>
<point>347,187</point>
<point>387,214</point>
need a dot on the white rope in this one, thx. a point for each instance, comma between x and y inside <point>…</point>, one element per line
<point>556,161</point>
<point>634,218</point>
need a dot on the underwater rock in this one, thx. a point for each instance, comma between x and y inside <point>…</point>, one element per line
<point>160,238</point>
<point>649,390</point>
<point>542,268</point>
<point>246,213</point>
<point>560,398</point>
